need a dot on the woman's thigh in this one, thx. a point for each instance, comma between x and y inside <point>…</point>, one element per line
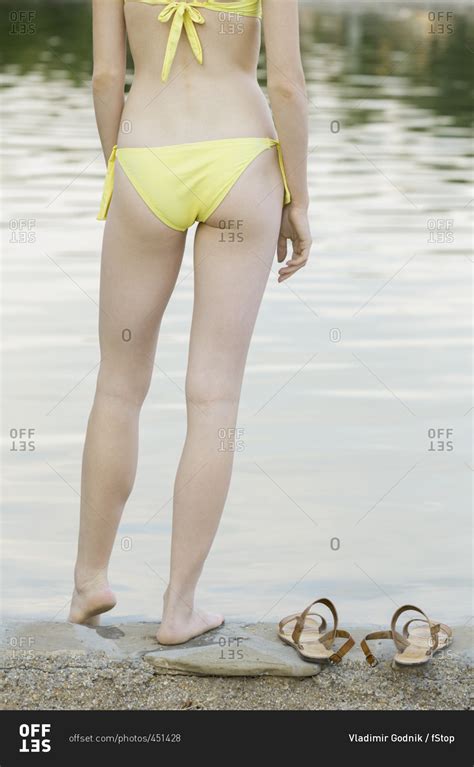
<point>234,251</point>
<point>141,258</point>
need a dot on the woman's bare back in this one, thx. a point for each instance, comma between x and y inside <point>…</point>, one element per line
<point>219,98</point>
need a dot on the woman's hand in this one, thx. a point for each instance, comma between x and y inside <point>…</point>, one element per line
<point>294,227</point>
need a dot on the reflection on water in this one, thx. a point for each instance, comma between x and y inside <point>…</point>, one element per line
<point>352,477</point>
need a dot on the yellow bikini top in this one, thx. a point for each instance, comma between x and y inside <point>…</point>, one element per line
<point>187,13</point>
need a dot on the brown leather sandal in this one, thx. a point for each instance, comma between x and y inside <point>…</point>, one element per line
<point>415,645</point>
<point>310,639</point>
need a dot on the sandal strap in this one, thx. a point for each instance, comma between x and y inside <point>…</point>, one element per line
<point>286,620</point>
<point>337,656</point>
<point>294,616</point>
<point>370,658</point>
<point>300,621</point>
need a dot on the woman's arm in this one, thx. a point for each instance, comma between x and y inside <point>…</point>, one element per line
<point>288,101</point>
<point>287,91</point>
<point>108,78</point>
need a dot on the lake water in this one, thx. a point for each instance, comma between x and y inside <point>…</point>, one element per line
<point>353,480</point>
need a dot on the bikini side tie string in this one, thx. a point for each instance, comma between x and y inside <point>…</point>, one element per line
<point>108,186</point>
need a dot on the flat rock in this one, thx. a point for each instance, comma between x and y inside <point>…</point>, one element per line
<point>233,650</point>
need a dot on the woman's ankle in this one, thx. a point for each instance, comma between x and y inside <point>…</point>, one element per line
<point>177,603</point>
<point>90,580</point>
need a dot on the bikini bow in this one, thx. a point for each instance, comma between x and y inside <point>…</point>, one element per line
<point>182,13</point>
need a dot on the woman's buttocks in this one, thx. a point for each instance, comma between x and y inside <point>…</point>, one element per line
<point>219,98</point>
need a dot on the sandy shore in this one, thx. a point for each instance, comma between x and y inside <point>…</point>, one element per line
<point>137,686</point>
<point>127,672</point>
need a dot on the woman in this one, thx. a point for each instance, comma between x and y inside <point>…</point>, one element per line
<point>196,142</point>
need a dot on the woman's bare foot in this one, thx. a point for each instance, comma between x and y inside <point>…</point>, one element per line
<point>177,631</point>
<point>181,622</point>
<point>89,601</point>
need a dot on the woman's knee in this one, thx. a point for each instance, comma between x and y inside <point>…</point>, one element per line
<point>204,387</point>
<point>124,383</point>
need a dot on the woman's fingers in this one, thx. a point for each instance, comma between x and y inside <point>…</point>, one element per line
<point>296,262</point>
<point>286,273</point>
<point>297,259</point>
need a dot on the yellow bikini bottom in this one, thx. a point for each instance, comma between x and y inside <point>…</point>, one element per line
<point>185,183</point>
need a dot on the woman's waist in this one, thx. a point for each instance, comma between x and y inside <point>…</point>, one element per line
<point>184,117</point>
